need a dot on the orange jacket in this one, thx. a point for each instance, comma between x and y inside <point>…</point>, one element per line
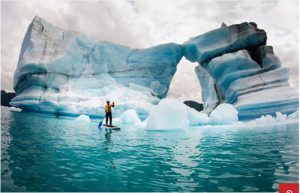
<point>108,108</point>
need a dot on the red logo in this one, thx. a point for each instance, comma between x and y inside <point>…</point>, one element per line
<point>288,188</point>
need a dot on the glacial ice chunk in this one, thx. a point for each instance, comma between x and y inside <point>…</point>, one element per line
<point>15,109</point>
<point>83,118</point>
<point>173,114</point>
<point>168,114</point>
<point>224,114</point>
<point>130,117</point>
<point>269,119</point>
<point>294,115</point>
<point>197,118</point>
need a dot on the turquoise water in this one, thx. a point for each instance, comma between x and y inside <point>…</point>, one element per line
<point>40,153</point>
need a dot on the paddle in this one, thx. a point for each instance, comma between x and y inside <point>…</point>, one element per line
<point>100,124</point>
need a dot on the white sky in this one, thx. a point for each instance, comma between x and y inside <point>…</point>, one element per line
<point>145,23</point>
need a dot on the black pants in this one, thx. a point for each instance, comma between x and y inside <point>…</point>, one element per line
<point>108,116</point>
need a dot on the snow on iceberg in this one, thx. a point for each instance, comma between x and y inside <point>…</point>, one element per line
<point>65,72</point>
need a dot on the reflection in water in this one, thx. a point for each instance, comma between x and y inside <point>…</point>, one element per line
<point>185,152</point>
<point>247,159</point>
<point>107,137</point>
<point>44,153</point>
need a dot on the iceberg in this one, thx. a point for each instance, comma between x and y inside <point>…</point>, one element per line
<point>65,72</point>
<point>236,67</point>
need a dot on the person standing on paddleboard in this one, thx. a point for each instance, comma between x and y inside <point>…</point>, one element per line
<point>108,114</point>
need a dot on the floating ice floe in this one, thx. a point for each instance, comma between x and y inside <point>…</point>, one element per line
<point>83,118</point>
<point>168,114</point>
<point>173,114</point>
<point>224,114</point>
<point>130,117</point>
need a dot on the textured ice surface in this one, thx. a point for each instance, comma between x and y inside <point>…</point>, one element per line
<point>227,68</point>
<point>236,67</point>
<point>223,40</point>
<point>267,102</point>
<point>65,72</point>
<point>209,91</point>
<point>254,88</point>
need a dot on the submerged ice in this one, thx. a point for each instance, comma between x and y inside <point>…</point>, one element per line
<point>65,72</point>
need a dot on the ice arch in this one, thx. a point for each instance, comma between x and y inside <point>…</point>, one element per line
<point>236,66</point>
<point>61,71</point>
<point>185,85</point>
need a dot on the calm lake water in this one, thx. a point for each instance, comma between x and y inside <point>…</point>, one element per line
<point>40,153</point>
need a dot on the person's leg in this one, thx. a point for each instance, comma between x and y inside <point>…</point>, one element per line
<point>110,118</point>
<point>106,118</point>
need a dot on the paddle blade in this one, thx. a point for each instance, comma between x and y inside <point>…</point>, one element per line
<point>100,124</point>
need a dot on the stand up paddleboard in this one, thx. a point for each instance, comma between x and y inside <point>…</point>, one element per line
<point>104,126</point>
<point>113,127</point>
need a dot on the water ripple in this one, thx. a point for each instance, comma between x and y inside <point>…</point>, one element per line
<point>43,153</point>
